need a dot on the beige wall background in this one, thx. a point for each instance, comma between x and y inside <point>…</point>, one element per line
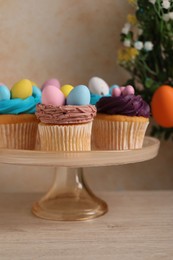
<point>71,40</point>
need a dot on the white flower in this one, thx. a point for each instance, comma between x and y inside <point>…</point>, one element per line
<point>166,4</point>
<point>170,15</point>
<point>148,46</point>
<point>138,45</point>
<point>140,31</point>
<point>166,17</point>
<point>152,1</point>
<point>127,25</point>
<point>126,28</point>
<point>127,43</point>
<point>162,48</point>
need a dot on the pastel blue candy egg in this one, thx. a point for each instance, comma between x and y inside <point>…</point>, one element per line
<point>98,86</point>
<point>79,96</point>
<point>36,92</point>
<point>112,87</point>
<point>4,92</point>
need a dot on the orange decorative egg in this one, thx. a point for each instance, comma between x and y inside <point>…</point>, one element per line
<point>162,106</point>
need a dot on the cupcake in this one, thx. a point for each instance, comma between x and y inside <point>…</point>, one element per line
<point>65,118</point>
<point>18,123</point>
<point>121,120</point>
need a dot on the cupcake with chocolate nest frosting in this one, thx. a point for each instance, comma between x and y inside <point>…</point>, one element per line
<point>121,120</point>
<point>66,122</point>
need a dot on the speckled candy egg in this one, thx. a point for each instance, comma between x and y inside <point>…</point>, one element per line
<point>52,95</point>
<point>66,89</point>
<point>51,82</point>
<point>128,90</point>
<point>79,96</point>
<point>22,89</point>
<point>98,86</point>
<point>116,92</point>
<point>112,87</point>
<point>4,92</point>
<point>33,83</point>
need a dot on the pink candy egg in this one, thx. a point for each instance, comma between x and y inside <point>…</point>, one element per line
<point>128,90</point>
<point>51,95</point>
<point>122,89</point>
<point>52,82</point>
<point>116,92</point>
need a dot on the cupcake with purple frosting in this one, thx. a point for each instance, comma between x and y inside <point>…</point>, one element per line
<point>121,120</point>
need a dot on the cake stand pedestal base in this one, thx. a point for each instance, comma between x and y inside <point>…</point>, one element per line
<point>69,198</point>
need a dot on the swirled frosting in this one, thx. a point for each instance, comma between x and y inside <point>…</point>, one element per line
<point>95,98</point>
<point>129,105</point>
<point>19,106</point>
<point>64,115</point>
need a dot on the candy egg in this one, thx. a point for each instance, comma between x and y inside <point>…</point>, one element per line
<point>66,89</point>
<point>4,92</point>
<point>51,82</point>
<point>112,87</point>
<point>79,96</point>
<point>33,83</point>
<point>22,89</point>
<point>162,106</point>
<point>128,90</point>
<point>122,89</point>
<point>36,92</point>
<point>98,86</point>
<point>116,92</point>
<point>51,95</point>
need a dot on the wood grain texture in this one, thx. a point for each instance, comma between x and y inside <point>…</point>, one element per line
<point>138,226</point>
<point>81,159</point>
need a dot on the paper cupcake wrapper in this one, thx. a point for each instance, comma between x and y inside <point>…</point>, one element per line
<point>110,135</point>
<point>18,136</point>
<point>65,138</point>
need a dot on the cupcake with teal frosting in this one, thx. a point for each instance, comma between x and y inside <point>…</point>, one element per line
<point>18,123</point>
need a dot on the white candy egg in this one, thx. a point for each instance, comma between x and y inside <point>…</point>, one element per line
<point>98,86</point>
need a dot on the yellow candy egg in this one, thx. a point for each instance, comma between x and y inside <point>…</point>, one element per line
<point>22,89</point>
<point>66,89</point>
<point>33,83</point>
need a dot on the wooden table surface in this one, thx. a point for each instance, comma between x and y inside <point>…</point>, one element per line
<point>138,226</point>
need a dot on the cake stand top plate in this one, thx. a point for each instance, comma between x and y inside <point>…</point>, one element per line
<point>81,159</point>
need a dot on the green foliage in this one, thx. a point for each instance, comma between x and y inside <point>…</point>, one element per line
<point>152,36</point>
<point>160,132</point>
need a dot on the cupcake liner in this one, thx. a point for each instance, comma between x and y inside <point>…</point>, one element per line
<point>18,136</point>
<point>65,137</point>
<point>37,142</point>
<point>117,135</point>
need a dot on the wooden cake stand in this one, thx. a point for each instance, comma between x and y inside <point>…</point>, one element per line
<point>70,198</point>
